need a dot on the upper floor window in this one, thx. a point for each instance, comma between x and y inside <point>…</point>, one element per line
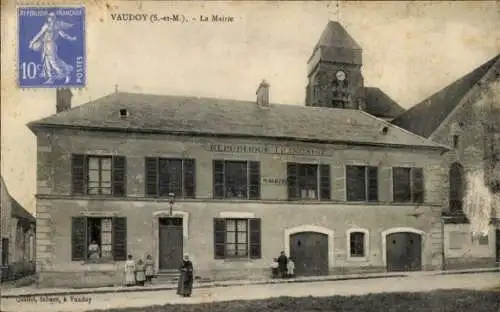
<point>170,175</point>
<point>98,175</point>
<point>236,179</point>
<point>456,140</point>
<point>408,184</point>
<point>308,181</point>
<point>456,177</point>
<point>237,238</point>
<point>362,183</point>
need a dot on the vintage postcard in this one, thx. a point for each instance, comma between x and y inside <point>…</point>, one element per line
<point>250,156</point>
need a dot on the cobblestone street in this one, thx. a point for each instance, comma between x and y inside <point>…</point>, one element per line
<point>351,287</point>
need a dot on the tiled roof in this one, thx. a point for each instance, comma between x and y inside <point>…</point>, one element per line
<point>380,104</point>
<point>224,117</point>
<point>424,118</point>
<point>17,210</point>
<point>335,35</point>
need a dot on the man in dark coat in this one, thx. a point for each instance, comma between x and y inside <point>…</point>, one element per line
<point>282,264</point>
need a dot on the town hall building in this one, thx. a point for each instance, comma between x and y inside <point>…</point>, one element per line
<point>233,183</point>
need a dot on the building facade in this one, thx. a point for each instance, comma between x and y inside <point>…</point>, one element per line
<point>234,183</point>
<point>465,116</point>
<point>18,238</point>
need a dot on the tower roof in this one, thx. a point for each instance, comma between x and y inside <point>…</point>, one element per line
<point>335,35</point>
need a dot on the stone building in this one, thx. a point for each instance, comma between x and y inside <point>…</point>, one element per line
<point>465,116</point>
<point>18,238</point>
<point>233,183</point>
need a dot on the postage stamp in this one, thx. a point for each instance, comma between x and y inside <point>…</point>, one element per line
<point>51,51</point>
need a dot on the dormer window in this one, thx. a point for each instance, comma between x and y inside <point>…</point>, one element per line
<point>123,112</point>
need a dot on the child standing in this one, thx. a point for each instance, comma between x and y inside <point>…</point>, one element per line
<point>291,268</point>
<point>149,264</point>
<point>274,268</point>
<point>130,271</point>
<point>140,275</point>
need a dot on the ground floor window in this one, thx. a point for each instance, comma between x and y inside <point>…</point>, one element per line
<point>237,238</point>
<point>99,238</point>
<point>357,243</point>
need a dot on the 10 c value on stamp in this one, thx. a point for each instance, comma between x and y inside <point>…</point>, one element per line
<point>51,47</point>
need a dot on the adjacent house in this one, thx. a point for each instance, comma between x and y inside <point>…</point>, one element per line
<point>465,116</point>
<point>233,182</point>
<point>18,238</point>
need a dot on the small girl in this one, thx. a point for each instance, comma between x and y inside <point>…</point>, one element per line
<point>149,269</point>
<point>140,277</point>
<point>274,268</point>
<point>290,267</point>
<point>130,271</point>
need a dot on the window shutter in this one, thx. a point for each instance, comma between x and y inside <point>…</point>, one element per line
<point>119,239</point>
<point>189,178</point>
<point>372,173</point>
<point>255,238</point>
<point>151,165</point>
<point>119,176</point>
<point>254,191</point>
<point>78,174</point>
<point>324,182</point>
<point>401,184</point>
<point>293,181</point>
<point>418,185</point>
<point>356,183</point>
<point>78,238</point>
<point>218,178</point>
<point>219,238</point>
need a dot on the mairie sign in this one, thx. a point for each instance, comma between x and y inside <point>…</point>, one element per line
<point>265,149</point>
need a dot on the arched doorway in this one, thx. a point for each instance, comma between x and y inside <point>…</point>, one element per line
<point>310,253</point>
<point>403,251</point>
<point>456,176</point>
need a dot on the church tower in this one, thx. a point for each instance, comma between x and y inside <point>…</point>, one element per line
<point>334,71</point>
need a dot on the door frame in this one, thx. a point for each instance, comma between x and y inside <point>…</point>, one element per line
<point>403,230</point>
<point>156,232</point>
<point>315,229</point>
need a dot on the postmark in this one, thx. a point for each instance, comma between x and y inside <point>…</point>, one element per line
<point>51,51</point>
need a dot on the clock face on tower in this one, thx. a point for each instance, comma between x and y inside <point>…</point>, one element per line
<point>340,75</point>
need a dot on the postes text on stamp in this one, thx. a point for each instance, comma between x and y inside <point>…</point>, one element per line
<point>51,47</point>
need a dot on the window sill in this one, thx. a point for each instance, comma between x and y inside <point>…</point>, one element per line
<point>357,259</point>
<point>229,260</point>
<point>100,261</point>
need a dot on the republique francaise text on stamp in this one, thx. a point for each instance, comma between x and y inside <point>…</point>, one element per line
<point>51,47</point>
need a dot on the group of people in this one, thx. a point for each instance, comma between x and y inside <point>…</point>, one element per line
<point>141,272</point>
<point>283,266</point>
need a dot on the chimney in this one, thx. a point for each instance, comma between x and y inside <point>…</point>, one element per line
<point>263,94</point>
<point>63,99</point>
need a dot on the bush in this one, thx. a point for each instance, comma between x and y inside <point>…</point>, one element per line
<point>442,301</point>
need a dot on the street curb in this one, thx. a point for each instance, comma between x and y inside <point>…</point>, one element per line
<point>469,272</point>
<point>211,285</point>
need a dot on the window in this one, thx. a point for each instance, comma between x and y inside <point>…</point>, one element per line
<point>167,175</point>
<point>98,175</point>
<point>482,240</point>
<point>456,141</point>
<point>237,238</point>
<point>110,234</point>
<point>362,183</point>
<point>308,181</point>
<point>408,185</point>
<point>456,177</point>
<point>357,244</point>
<point>236,179</point>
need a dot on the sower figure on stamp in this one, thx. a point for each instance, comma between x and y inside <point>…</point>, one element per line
<point>45,41</point>
<point>185,286</point>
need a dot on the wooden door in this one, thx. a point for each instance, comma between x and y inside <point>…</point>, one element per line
<point>404,252</point>
<point>310,253</point>
<point>170,243</point>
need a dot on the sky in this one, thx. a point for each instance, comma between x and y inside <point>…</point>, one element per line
<point>410,51</point>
